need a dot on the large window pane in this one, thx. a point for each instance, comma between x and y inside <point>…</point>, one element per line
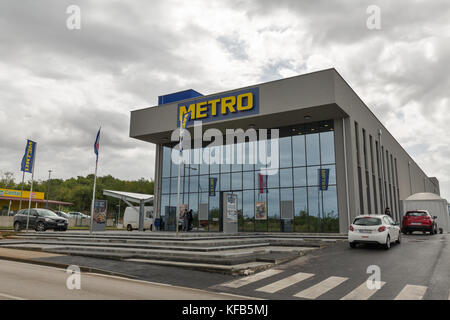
<point>236,181</point>
<point>327,147</point>
<point>312,149</point>
<point>238,157</point>
<point>286,177</point>
<point>273,180</point>
<point>250,150</point>
<point>261,225</point>
<point>273,207</point>
<point>248,181</point>
<point>215,154</point>
<point>225,182</point>
<point>313,175</point>
<point>300,177</point>
<point>285,152</point>
<point>248,211</point>
<point>204,168</point>
<point>174,185</point>
<point>214,212</point>
<point>300,210</point>
<point>166,163</point>
<point>314,206</point>
<point>330,220</point>
<point>286,194</point>
<point>193,184</point>
<point>226,152</point>
<point>165,185</point>
<point>204,183</point>
<point>298,149</point>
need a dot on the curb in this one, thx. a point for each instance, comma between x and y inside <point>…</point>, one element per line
<point>65,265</point>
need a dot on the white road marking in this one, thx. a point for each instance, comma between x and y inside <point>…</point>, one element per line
<point>411,292</point>
<point>320,288</point>
<point>286,282</point>
<point>362,292</point>
<point>8,296</point>
<point>249,279</point>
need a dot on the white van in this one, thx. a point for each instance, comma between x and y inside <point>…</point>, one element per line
<point>131,218</point>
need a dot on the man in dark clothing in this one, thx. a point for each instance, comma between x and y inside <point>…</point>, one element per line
<point>388,211</point>
<point>190,218</point>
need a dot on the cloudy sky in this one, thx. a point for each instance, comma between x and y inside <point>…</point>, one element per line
<point>58,85</point>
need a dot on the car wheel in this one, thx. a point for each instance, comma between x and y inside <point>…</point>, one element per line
<point>17,226</point>
<point>399,239</point>
<point>129,227</point>
<point>40,227</point>
<point>352,245</point>
<point>387,245</point>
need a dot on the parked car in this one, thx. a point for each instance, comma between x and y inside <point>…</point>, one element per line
<point>78,215</point>
<point>131,218</point>
<point>419,220</point>
<point>376,229</point>
<point>40,220</point>
<point>62,214</point>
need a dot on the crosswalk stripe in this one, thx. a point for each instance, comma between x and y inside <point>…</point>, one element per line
<point>411,292</point>
<point>249,279</point>
<point>286,282</point>
<point>362,292</point>
<point>320,288</point>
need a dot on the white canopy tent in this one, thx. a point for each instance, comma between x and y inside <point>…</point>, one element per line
<point>431,202</point>
<point>129,197</point>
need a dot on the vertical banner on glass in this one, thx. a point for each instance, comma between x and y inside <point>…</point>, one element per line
<point>212,187</point>
<point>324,177</point>
<point>260,211</point>
<point>99,218</point>
<point>231,214</point>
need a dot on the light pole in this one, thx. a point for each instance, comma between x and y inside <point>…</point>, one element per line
<point>48,188</point>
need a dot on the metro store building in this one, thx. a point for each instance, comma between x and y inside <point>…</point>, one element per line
<point>322,124</point>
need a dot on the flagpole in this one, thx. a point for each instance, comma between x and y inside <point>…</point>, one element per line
<point>21,191</point>
<point>95,185</point>
<point>31,189</point>
<point>93,197</point>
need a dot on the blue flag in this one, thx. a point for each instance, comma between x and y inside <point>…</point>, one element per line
<point>28,157</point>
<point>97,143</point>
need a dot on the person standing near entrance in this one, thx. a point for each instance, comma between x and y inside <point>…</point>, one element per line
<point>185,220</point>
<point>190,220</point>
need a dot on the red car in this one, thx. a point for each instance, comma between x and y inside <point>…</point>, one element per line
<point>419,220</point>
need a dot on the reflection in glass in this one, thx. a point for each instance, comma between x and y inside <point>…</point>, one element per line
<point>274,210</point>
<point>248,180</point>
<point>285,152</point>
<point>286,194</point>
<point>313,175</point>
<point>214,212</point>
<point>330,221</point>
<point>314,205</point>
<point>166,163</point>
<point>300,210</point>
<point>286,177</point>
<point>248,211</point>
<point>300,177</point>
<point>327,147</point>
<point>261,225</point>
<point>312,149</point>
<point>236,181</point>
<point>193,204</point>
<point>225,182</point>
<point>298,150</point>
<point>165,185</point>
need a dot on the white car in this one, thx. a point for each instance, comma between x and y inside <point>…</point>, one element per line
<point>378,229</point>
<point>78,215</point>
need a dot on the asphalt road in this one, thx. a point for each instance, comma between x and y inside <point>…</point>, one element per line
<point>21,281</point>
<point>418,268</point>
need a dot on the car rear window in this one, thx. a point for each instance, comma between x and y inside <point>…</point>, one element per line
<point>416,214</point>
<point>367,221</point>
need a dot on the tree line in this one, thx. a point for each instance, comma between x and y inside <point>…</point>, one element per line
<point>79,190</point>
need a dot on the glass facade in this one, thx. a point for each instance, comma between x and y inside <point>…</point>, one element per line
<point>303,150</point>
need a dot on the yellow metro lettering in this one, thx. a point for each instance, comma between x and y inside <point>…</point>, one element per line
<point>213,104</point>
<point>249,105</point>
<point>228,103</point>
<point>190,109</point>
<point>201,109</point>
